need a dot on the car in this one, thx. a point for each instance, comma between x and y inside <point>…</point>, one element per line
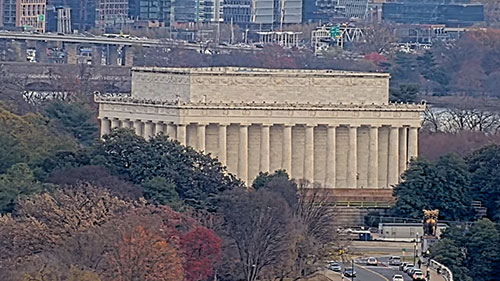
<point>335,267</point>
<point>371,261</point>
<point>395,260</point>
<point>412,270</point>
<point>408,267</point>
<point>397,277</point>
<point>349,272</point>
<point>418,276</point>
<point>401,266</point>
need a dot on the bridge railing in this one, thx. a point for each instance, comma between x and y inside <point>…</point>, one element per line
<point>442,270</point>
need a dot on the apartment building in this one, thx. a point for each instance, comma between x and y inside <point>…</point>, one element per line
<point>30,14</point>
<point>111,12</point>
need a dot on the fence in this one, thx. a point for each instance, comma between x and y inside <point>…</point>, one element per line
<point>442,270</point>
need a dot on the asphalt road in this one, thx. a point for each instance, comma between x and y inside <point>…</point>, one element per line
<point>387,271</point>
<point>363,274</point>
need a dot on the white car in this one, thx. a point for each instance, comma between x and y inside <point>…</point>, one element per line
<point>395,260</point>
<point>397,277</point>
<point>372,261</point>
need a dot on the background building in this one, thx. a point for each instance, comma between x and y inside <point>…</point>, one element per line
<point>30,14</point>
<point>112,13</point>
<point>456,14</point>
<point>263,12</point>
<point>9,13</point>
<point>353,8</point>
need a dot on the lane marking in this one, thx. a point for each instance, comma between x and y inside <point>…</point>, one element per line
<point>374,272</point>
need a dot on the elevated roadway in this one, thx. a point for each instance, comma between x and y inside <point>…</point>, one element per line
<point>101,40</point>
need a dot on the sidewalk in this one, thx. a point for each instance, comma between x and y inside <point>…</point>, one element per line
<point>433,274</point>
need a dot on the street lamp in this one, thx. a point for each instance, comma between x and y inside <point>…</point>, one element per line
<point>352,267</point>
<point>415,250</point>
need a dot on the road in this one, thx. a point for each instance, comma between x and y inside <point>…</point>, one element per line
<point>364,273</point>
<point>146,42</point>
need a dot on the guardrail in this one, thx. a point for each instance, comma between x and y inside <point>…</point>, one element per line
<point>442,270</point>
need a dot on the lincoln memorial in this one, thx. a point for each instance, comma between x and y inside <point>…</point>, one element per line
<point>336,128</point>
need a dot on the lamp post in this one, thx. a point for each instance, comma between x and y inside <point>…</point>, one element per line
<point>415,250</point>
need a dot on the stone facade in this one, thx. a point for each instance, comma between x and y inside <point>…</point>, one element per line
<point>259,85</point>
<point>311,136</point>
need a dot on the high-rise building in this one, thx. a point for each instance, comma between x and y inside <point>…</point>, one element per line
<point>268,12</point>
<point>30,14</point>
<point>1,13</point>
<point>8,13</point>
<point>200,11</point>
<point>152,10</point>
<point>111,13</point>
<point>456,14</point>
<point>353,8</point>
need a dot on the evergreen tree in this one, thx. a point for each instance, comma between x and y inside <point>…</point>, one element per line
<point>483,251</point>
<point>160,191</point>
<point>444,185</point>
<point>484,164</point>
<point>75,119</point>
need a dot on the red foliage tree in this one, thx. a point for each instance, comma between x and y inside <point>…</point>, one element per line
<point>201,249</point>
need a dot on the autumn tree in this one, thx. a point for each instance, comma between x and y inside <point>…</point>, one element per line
<point>201,249</point>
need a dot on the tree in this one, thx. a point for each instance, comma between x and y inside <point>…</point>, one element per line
<point>262,239</point>
<point>447,252</point>
<point>263,178</point>
<point>141,253</point>
<point>44,221</point>
<point>198,178</point>
<point>18,181</point>
<point>75,119</point>
<point>160,191</point>
<point>444,185</point>
<point>32,138</point>
<point>405,93</point>
<point>484,164</point>
<point>483,251</point>
<point>54,274</point>
<point>96,176</point>
<point>201,249</point>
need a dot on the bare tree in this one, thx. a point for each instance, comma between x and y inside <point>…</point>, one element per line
<point>258,223</point>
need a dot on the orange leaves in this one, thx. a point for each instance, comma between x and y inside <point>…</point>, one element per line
<point>201,249</point>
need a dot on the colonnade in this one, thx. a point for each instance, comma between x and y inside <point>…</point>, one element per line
<point>334,155</point>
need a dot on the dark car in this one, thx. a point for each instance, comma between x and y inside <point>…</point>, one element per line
<point>349,272</point>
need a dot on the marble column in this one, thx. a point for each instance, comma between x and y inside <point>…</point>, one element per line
<point>200,134</point>
<point>352,165</point>
<point>309,154</point>
<point>264,147</point>
<point>148,130</point>
<point>243,153</point>
<point>392,162</point>
<point>138,127</point>
<point>105,126</point>
<point>330,173</point>
<point>115,123</point>
<point>127,124</point>
<point>181,133</point>
<point>373,158</point>
<point>159,128</point>
<point>171,131</point>
<point>287,149</point>
<point>222,153</point>
<point>402,149</point>
<point>412,142</point>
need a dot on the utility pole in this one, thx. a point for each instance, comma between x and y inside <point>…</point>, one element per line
<point>232,32</point>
